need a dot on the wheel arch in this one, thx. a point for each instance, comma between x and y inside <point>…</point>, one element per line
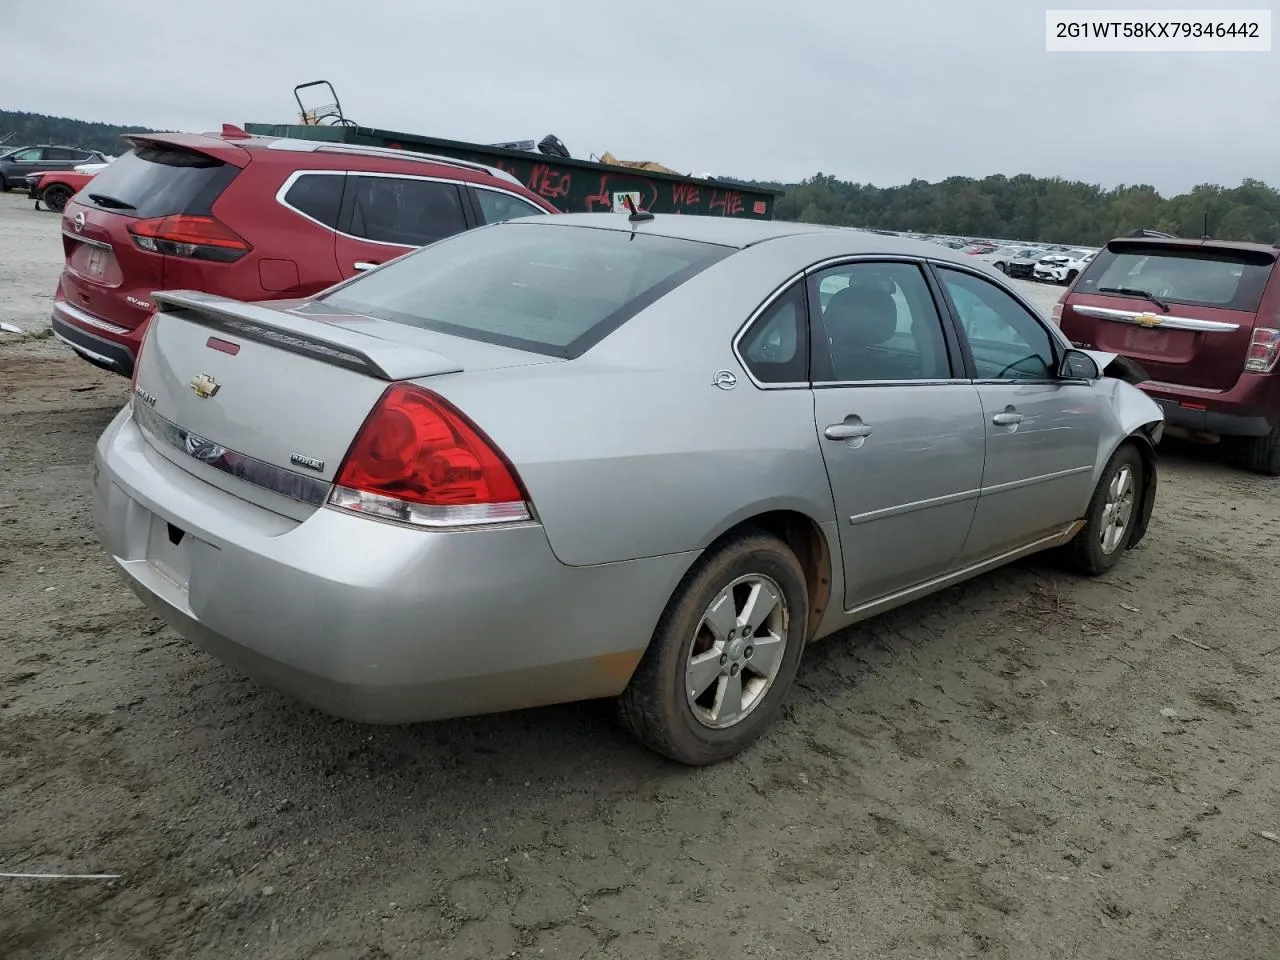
<point>1144,441</point>
<point>805,538</point>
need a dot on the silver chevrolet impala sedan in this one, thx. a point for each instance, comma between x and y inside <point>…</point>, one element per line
<point>586,456</point>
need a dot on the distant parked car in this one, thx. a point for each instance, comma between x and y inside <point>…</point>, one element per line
<point>254,218</point>
<point>17,164</point>
<point>55,188</point>
<point>1004,258</point>
<point>1062,267</point>
<point>1203,318</point>
<point>400,500</point>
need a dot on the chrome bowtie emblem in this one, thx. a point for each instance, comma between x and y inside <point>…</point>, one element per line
<point>205,386</point>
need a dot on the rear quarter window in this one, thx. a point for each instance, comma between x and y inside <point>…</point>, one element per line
<point>160,181</point>
<point>555,290</point>
<point>1225,279</point>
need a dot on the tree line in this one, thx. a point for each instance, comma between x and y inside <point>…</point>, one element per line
<point>1049,210</point>
<point>1024,207</point>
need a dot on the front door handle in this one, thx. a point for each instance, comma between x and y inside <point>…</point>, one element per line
<point>1007,419</point>
<point>848,431</point>
<point>362,265</point>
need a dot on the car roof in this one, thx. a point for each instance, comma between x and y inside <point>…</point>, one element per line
<point>1182,243</point>
<point>741,233</point>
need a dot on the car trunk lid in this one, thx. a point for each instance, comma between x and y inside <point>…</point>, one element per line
<point>264,402</point>
<point>1197,335</point>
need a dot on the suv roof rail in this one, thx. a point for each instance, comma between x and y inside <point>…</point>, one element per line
<point>320,146</point>
<point>1150,234</point>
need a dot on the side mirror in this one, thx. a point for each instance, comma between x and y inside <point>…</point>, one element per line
<point>1078,365</point>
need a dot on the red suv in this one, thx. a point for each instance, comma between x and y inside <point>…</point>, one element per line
<point>1203,318</point>
<point>254,218</point>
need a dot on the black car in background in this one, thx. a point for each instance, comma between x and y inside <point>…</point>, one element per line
<point>16,164</point>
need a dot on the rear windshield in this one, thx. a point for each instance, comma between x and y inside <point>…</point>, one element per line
<point>555,290</point>
<point>153,181</point>
<point>1227,279</point>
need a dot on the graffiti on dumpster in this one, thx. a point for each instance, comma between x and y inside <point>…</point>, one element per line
<point>570,189</point>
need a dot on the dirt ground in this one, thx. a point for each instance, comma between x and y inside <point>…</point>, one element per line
<point>1027,766</point>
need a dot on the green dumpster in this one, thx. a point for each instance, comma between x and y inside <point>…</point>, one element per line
<point>570,185</point>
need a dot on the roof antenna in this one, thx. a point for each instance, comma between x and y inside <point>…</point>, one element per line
<point>637,216</point>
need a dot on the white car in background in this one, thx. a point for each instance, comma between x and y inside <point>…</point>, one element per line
<point>1062,267</point>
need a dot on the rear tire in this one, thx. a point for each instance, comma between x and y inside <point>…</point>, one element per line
<point>679,701</point>
<point>1002,268</point>
<point>1112,513</point>
<point>55,197</point>
<point>1262,454</point>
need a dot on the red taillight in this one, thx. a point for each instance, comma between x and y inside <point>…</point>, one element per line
<point>196,237</point>
<point>419,460</point>
<point>1264,350</point>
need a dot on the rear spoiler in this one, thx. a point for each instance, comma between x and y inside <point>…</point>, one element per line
<point>334,345</point>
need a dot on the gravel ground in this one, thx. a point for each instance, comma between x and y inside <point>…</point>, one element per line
<point>1027,766</point>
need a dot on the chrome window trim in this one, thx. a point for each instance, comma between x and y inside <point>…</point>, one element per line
<point>268,476</point>
<point>293,177</point>
<point>755,315</point>
<point>1167,321</point>
<point>828,384</point>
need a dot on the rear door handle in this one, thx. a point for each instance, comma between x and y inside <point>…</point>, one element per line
<point>362,265</point>
<point>1007,419</point>
<point>847,431</point>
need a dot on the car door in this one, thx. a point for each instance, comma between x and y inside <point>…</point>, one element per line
<point>899,425</point>
<point>1042,432</point>
<point>386,215</point>
<point>22,162</point>
<point>59,158</point>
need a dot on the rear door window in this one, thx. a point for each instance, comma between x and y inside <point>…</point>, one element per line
<point>1225,279</point>
<point>496,206</point>
<point>160,181</point>
<point>404,211</point>
<point>529,283</point>
<point>318,196</point>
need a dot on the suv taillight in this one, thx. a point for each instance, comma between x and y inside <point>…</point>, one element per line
<point>1264,350</point>
<point>418,460</point>
<point>195,237</point>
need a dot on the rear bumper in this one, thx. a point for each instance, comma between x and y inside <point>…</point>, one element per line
<point>366,620</point>
<point>103,344</point>
<point>1249,409</point>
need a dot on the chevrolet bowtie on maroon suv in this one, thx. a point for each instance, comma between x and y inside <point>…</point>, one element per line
<point>1202,317</point>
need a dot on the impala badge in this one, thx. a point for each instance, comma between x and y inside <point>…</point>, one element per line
<point>205,386</point>
<point>311,463</point>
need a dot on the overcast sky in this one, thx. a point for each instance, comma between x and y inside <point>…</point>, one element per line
<point>878,92</point>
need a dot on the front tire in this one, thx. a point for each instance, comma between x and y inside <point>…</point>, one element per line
<point>1262,454</point>
<point>55,197</point>
<point>724,653</point>
<point>1110,519</point>
<point>1071,278</point>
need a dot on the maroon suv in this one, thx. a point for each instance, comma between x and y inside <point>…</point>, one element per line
<point>1203,318</point>
<point>254,218</point>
